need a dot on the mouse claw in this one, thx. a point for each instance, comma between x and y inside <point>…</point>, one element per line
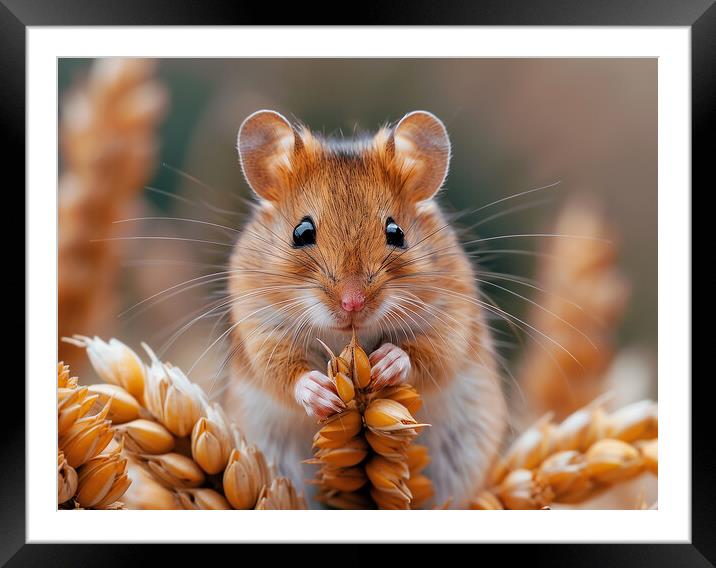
<point>316,393</point>
<point>390,366</point>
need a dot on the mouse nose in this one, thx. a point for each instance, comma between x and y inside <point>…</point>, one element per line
<point>352,299</point>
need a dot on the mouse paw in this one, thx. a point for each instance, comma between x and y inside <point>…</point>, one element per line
<point>316,393</point>
<point>390,366</point>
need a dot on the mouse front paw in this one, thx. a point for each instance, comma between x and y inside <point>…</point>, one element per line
<point>316,393</point>
<point>390,366</point>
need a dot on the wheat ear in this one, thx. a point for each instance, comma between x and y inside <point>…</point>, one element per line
<point>585,297</point>
<point>573,460</point>
<point>192,456</point>
<point>108,143</point>
<point>365,453</point>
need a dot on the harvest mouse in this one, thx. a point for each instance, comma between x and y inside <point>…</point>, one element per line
<point>346,235</point>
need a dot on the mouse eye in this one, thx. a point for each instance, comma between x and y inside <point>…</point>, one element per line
<point>304,233</point>
<point>394,234</point>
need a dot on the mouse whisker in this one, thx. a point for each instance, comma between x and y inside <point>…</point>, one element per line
<point>517,208</point>
<point>497,310</point>
<point>206,186</point>
<point>176,289</point>
<point>491,308</point>
<point>153,262</point>
<point>226,300</point>
<point>484,254</point>
<point>161,238</point>
<point>295,325</point>
<point>432,254</point>
<point>194,283</point>
<point>178,219</point>
<point>458,251</point>
<point>434,312</point>
<point>197,204</point>
<point>410,312</point>
<point>235,325</point>
<point>468,345</point>
<point>397,306</point>
<point>540,235</point>
<point>501,361</point>
<point>433,308</point>
<point>532,302</point>
<point>438,356</point>
<point>179,327</point>
<point>258,329</point>
<point>530,283</point>
<point>541,307</point>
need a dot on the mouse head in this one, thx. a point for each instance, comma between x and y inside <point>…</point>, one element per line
<point>343,225</point>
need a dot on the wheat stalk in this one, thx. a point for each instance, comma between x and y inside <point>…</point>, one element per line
<point>108,141</point>
<point>191,455</point>
<point>366,455</point>
<point>573,460</point>
<point>585,295</point>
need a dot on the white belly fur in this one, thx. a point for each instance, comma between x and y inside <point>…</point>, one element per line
<point>283,435</point>
<point>468,418</point>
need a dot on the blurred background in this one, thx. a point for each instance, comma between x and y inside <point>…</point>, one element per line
<point>515,125</point>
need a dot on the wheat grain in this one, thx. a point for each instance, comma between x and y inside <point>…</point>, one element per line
<point>102,480</point>
<point>246,476</point>
<point>123,407</point>
<point>211,440</point>
<point>145,436</point>
<point>649,453</point>
<point>66,479</point>
<point>202,498</point>
<point>280,495</point>
<point>86,478</point>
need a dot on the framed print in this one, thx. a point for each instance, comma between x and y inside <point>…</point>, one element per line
<point>436,262</point>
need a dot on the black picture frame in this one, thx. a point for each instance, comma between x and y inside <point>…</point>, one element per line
<point>699,15</point>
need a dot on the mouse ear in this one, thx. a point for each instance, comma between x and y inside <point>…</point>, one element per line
<point>420,149</point>
<point>267,144</point>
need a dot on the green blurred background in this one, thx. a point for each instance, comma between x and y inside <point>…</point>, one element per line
<point>515,125</point>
